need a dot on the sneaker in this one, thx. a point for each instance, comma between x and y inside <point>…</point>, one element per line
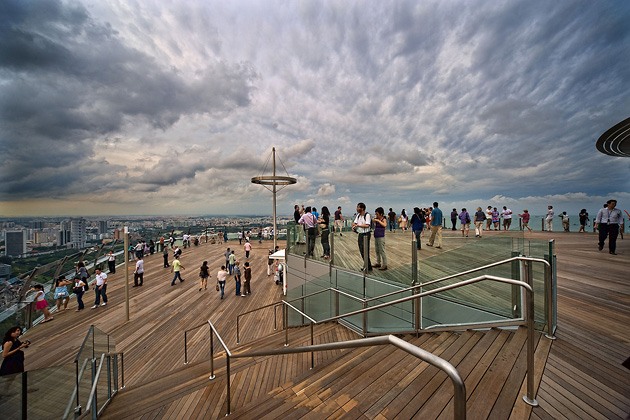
<point>104,304</point>
<point>95,306</point>
<point>242,295</point>
<point>429,245</point>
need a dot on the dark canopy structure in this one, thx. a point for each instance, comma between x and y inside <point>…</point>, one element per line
<point>616,141</point>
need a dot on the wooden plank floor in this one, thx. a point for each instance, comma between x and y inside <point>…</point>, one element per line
<point>582,378</point>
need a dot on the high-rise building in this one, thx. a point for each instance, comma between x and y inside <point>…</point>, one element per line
<point>36,224</point>
<point>78,237</point>
<point>117,234</point>
<point>14,242</point>
<point>102,227</point>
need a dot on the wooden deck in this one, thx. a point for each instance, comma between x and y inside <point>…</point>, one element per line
<point>582,377</point>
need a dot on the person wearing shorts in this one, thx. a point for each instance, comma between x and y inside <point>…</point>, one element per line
<point>338,220</point>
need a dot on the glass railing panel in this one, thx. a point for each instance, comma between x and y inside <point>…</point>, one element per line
<point>399,317</point>
<point>49,391</point>
<point>352,284</point>
<point>102,343</point>
<point>441,309</point>
<point>11,403</point>
<point>295,287</point>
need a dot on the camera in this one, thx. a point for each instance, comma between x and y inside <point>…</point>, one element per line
<point>28,343</point>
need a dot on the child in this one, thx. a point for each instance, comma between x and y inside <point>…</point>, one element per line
<point>204,273</point>
<point>61,292</point>
<point>41,304</point>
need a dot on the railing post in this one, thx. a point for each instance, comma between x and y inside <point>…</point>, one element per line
<point>24,395</point>
<point>332,251</point>
<point>549,297</point>
<point>122,370</point>
<point>302,308</point>
<point>285,314</point>
<point>530,398</point>
<point>115,372</point>
<point>94,400</point>
<point>517,266</point>
<point>275,315</point>
<point>227,368</point>
<point>76,365</point>
<point>238,335</point>
<point>364,319</point>
<point>366,256</point>
<point>186,347</point>
<point>211,354</point>
<point>312,343</point>
<point>109,377</point>
<point>336,302</point>
<point>414,262</point>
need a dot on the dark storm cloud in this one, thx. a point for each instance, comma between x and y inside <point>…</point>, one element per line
<point>66,79</point>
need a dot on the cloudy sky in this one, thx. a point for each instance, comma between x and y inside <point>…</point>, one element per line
<point>170,107</point>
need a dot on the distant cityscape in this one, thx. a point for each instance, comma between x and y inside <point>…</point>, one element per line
<point>25,239</point>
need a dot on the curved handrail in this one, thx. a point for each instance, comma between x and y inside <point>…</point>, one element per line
<point>463,273</point>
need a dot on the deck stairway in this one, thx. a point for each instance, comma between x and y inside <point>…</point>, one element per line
<point>376,382</point>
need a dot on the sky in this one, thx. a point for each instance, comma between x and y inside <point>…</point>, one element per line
<point>170,107</point>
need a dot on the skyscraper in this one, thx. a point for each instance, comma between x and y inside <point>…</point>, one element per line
<point>15,242</point>
<point>102,227</point>
<point>78,236</point>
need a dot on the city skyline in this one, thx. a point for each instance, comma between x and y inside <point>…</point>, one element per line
<point>153,108</point>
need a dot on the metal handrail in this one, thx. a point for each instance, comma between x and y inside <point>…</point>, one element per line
<point>90,400</point>
<point>458,383</point>
<point>463,273</point>
<point>186,341</point>
<point>275,304</point>
<point>76,389</point>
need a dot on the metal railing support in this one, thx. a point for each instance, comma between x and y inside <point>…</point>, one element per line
<point>285,315</point>
<point>227,368</point>
<point>211,355</point>
<point>530,398</point>
<point>186,343</point>
<point>312,343</point>
<point>364,319</point>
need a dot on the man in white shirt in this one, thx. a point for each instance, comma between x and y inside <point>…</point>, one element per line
<point>362,225</point>
<point>100,288</point>
<point>222,276</point>
<point>549,218</point>
<point>489,218</point>
<point>138,275</point>
<point>507,218</point>
<point>608,221</point>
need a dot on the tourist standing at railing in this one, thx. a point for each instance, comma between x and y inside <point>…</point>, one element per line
<point>309,221</point>
<point>583,220</point>
<point>151,247</point>
<point>61,292</point>
<point>608,221</point>
<point>506,214</point>
<point>177,252</point>
<point>362,225</point>
<point>549,219</point>
<point>380,225</point>
<point>82,271</point>
<point>12,357</point>
<point>496,218</point>
<point>436,226</point>
<point>298,227</point>
<point>161,247</point>
<point>111,262</point>
<point>240,238</point>
<point>525,216</point>
<point>139,249</point>
<point>40,301</point>
<point>402,220</point>
<point>480,216</point>
<point>417,226</point>
<point>392,220</point>
<point>338,221</point>
<point>79,289</point>
<point>247,274</point>
<point>454,218</point>
<point>165,256</point>
<point>176,268</point>
<point>222,276</point>
<point>138,274</point>
<point>324,223</point>
<point>565,221</point>
<point>100,288</point>
<point>488,213</point>
<point>464,220</point>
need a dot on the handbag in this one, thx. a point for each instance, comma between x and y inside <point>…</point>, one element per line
<point>217,287</point>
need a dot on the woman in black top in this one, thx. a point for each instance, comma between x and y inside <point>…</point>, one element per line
<point>13,356</point>
<point>324,221</point>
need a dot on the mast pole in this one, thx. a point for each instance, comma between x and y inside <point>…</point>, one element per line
<point>275,229</point>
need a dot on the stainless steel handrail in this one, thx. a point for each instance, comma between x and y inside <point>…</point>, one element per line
<point>186,341</point>
<point>458,383</point>
<point>238,317</point>
<point>89,405</point>
<point>463,273</point>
